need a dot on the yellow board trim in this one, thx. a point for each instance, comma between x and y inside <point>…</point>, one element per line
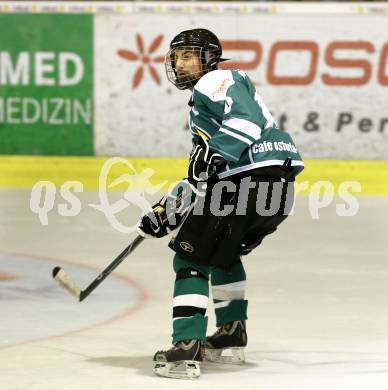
<point>25,171</point>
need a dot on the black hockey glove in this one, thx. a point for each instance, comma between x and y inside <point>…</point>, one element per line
<point>202,167</point>
<point>169,213</point>
<point>154,223</point>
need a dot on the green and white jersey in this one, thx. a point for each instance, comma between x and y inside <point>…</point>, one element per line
<point>231,115</point>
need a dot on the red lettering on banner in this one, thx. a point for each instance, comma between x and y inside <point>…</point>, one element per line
<point>364,65</point>
<point>253,46</point>
<point>382,76</point>
<point>308,76</point>
<point>309,46</point>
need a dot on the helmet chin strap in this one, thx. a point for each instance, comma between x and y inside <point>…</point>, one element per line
<point>190,80</point>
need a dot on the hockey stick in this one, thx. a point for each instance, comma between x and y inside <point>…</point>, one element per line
<point>67,283</point>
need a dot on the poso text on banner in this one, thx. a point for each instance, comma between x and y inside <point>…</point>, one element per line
<point>325,79</point>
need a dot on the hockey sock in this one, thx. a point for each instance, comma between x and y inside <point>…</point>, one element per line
<point>228,289</point>
<point>191,294</point>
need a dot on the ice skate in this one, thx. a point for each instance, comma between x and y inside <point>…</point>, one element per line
<point>182,361</point>
<point>227,344</point>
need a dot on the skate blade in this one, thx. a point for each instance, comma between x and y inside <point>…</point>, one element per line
<point>185,369</point>
<point>233,355</point>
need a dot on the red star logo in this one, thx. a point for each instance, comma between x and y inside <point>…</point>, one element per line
<point>144,58</point>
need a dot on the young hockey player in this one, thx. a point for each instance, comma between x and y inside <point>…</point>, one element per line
<point>238,150</point>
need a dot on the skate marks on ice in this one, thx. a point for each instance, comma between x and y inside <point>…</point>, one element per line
<point>141,364</point>
<point>33,307</point>
<point>273,362</point>
<point>319,362</point>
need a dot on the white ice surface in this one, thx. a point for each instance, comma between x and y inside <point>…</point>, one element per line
<point>317,291</point>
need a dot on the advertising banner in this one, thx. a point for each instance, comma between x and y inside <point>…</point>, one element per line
<point>325,78</point>
<point>46,84</point>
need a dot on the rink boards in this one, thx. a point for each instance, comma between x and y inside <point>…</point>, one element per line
<point>25,171</point>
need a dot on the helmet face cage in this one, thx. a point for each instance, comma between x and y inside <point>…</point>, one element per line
<point>190,78</point>
<point>206,46</point>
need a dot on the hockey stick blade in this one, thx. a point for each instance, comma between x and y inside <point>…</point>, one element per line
<point>65,281</point>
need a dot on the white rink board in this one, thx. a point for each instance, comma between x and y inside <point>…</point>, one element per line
<point>150,120</point>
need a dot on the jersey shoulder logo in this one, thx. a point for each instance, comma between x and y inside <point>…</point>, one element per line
<point>215,84</point>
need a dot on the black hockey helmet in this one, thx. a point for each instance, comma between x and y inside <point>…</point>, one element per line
<point>201,41</point>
